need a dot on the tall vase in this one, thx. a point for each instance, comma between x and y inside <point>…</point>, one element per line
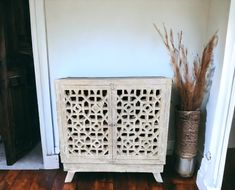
<point>187,124</point>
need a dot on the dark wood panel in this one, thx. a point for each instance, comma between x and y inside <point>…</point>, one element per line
<point>19,124</point>
<point>229,172</point>
<point>19,117</point>
<point>17,28</point>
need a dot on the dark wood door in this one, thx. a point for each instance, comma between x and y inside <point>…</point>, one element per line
<point>19,126</point>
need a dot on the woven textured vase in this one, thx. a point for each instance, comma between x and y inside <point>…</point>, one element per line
<point>187,124</point>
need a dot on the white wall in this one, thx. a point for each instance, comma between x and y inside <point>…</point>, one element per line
<point>217,21</point>
<point>117,38</point>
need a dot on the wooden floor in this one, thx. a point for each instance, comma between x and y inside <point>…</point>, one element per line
<point>54,180</point>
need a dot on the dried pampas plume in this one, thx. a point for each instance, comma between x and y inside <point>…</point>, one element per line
<point>190,84</point>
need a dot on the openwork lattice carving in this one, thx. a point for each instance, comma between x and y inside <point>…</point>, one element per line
<point>113,124</point>
<point>138,118</point>
<point>87,117</point>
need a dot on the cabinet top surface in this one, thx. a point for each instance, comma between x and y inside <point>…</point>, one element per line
<point>145,79</point>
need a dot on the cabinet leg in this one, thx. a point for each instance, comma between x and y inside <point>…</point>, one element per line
<point>69,176</point>
<point>158,177</point>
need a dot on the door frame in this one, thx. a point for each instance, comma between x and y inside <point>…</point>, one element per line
<point>42,77</point>
<point>210,174</point>
<point>214,159</point>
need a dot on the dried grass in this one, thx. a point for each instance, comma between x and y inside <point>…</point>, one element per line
<point>193,81</point>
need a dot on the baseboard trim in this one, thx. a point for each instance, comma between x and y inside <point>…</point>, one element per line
<point>51,162</point>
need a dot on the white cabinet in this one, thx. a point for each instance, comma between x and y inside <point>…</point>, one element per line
<point>113,124</point>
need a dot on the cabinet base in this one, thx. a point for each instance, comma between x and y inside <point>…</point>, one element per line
<point>70,175</point>
<point>158,177</point>
<point>156,169</point>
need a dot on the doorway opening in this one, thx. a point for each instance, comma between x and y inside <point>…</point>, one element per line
<point>20,145</point>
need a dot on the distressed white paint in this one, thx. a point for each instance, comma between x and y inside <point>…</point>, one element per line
<point>99,126</point>
<point>211,171</point>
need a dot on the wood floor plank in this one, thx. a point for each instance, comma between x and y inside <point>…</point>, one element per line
<point>2,174</point>
<point>131,181</point>
<point>185,187</point>
<point>86,181</point>
<point>59,180</point>
<point>43,180</point>
<point>105,180</point>
<point>9,179</point>
<point>69,186</point>
<point>140,180</point>
<point>95,181</point>
<point>23,181</point>
<point>120,181</point>
<point>105,185</point>
<point>153,185</point>
<point>2,181</point>
<point>54,180</point>
<point>185,181</point>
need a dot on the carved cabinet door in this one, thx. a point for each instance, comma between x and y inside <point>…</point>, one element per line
<point>136,115</point>
<point>86,132</point>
